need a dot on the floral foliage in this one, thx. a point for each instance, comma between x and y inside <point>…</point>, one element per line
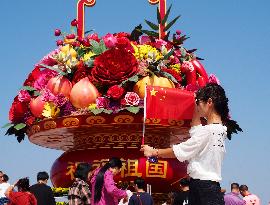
<point>112,65</point>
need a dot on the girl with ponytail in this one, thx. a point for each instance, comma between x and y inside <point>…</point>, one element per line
<point>104,191</point>
<point>206,147</point>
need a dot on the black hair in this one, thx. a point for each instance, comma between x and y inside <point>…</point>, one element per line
<point>243,188</point>
<point>139,182</point>
<point>42,176</point>
<point>234,186</point>
<point>184,182</point>
<point>5,178</point>
<point>113,163</point>
<point>23,184</point>
<point>82,171</point>
<point>220,101</point>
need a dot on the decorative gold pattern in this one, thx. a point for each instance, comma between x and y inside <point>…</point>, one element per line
<point>35,129</point>
<point>49,125</point>
<point>71,121</point>
<point>176,122</point>
<point>123,119</point>
<point>152,121</point>
<point>95,120</point>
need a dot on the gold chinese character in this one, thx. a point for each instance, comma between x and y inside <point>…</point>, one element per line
<point>132,168</point>
<point>71,169</point>
<point>157,169</point>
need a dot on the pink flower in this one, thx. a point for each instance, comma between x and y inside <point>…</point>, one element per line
<point>93,36</point>
<point>178,32</point>
<point>102,102</point>
<point>43,78</point>
<point>47,95</point>
<point>109,40</point>
<point>159,43</point>
<point>187,66</point>
<point>59,100</point>
<point>132,98</point>
<point>144,39</point>
<point>24,96</point>
<point>213,79</point>
<point>48,59</point>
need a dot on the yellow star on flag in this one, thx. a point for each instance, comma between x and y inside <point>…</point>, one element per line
<point>153,92</point>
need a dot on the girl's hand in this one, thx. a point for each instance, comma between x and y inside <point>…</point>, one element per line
<point>147,150</point>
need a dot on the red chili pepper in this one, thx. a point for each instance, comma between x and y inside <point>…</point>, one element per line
<point>201,81</point>
<point>191,77</point>
<point>200,69</point>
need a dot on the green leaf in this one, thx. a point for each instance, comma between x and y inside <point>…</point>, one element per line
<point>8,125</point>
<point>136,33</point>
<point>28,88</point>
<point>96,111</point>
<point>134,78</point>
<point>36,93</point>
<point>133,109</point>
<point>102,46</point>
<point>163,22</point>
<point>20,126</point>
<point>54,68</point>
<point>158,16</point>
<point>171,23</point>
<point>107,111</point>
<point>152,25</point>
<point>150,33</point>
<point>168,75</point>
<point>94,44</point>
<point>166,57</point>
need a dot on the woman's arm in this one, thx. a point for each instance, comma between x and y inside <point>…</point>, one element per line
<point>9,189</point>
<point>109,185</point>
<point>162,153</point>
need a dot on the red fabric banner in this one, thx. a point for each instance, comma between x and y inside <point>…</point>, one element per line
<point>169,103</point>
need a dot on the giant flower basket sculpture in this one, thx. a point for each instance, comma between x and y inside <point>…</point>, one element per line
<point>87,98</point>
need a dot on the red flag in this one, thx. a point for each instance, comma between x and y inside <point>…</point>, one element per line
<point>169,103</point>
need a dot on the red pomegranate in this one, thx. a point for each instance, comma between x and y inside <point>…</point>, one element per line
<point>83,93</point>
<point>60,85</point>
<point>37,106</point>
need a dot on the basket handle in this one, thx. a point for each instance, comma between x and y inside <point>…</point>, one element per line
<point>90,3</point>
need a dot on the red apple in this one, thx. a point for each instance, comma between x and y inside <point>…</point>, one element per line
<point>83,93</point>
<point>60,85</point>
<point>37,106</point>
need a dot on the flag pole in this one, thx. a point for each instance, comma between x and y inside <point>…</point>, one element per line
<point>144,114</point>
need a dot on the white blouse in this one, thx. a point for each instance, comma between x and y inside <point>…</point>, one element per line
<point>204,151</point>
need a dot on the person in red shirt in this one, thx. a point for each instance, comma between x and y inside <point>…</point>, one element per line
<point>22,196</point>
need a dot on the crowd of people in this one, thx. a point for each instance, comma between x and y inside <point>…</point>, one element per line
<point>204,151</point>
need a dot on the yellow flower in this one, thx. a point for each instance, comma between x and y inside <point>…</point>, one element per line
<point>92,106</point>
<point>176,67</point>
<point>143,52</point>
<point>50,110</point>
<point>87,56</point>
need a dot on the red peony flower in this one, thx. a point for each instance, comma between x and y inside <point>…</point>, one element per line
<point>124,43</point>
<point>32,77</point>
<point>132,98</point>
<point>122,34</point>
<point>115,92</point>
<point>114,66</point>
<point>17,111</point>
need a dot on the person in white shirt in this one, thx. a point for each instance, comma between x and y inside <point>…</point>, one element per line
<point>3,187</point>
<point>206,147</point>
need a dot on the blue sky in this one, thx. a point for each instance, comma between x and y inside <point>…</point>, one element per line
<point>232,36</point>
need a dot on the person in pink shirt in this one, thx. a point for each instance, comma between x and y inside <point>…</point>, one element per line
<point>104,191</point>
<point>250,199</point>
